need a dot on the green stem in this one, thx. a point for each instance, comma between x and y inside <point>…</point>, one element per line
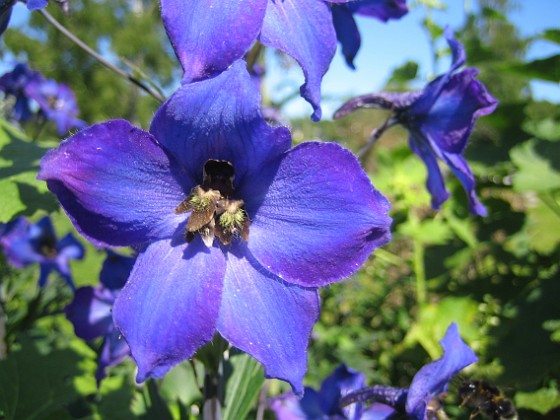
<point>419,270</point>
<point>376,134</point>
<point>98,57</point>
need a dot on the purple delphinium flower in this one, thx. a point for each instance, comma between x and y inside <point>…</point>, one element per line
<point>345,25</point>
<point>237,230</point>
<point>14,83</point>
<point>57,102</point>
<point>440,119</point>
<point>25,243</point>
<point>90,312</point>
<point>209,35</point>
<point>325,403</point>
<point>421,400</point>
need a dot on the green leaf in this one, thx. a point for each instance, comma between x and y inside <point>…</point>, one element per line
<point>33,385</point>
<point>243,386</point>
<point>552,35</point>
<point>541,228</point>
<point>541,401</point>
<point>434,318</point>
<point>536,161</point>
<point>547,129</point>
<point>21,193</point>
<point>428,232</point>
<point>547,69</point>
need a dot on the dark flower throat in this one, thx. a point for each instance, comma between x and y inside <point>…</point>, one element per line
<point>214,211</point>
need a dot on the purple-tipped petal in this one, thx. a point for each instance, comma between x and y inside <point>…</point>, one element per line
<point>434,182</point>
<point>304,30</point>
<point>170,304</point>
<point>346,32</point>
<point>452,117</point>
<point>209,35</point>
<point>219,119</point>
<point>267,318</point>
<point>116,184</point>
<point>90,312</point>
<point>434,378</point>
<point>313,223</point>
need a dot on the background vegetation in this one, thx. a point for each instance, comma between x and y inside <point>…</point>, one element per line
<point>497,277</point>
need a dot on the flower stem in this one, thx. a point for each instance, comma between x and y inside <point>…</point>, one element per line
<point>376,134</point>
<point>99,58</point>
<point>420,272</point>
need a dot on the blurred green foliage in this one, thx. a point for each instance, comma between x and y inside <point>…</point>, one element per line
<point>497,277</point>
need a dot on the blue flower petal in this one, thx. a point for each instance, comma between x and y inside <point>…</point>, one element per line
<point>115,270</point>
<point>434,182</point>
<point>289,406</point>
<point>219,119</point>
<point>452,116</point>
<point>460,168</point>
<point>113,351</point>
<point>379,9</point>
<point>434,378</point>
<point>339,383</point>
<point>267,318</point>
<point>116,184</point>
<point>70,248</point>
<point>379,411</point>
<point>314,223</point>
<point>304,30</point>
<point>169,306</point>
<point>209,35</point>
<point>346,32</point>
<point>90,312</point>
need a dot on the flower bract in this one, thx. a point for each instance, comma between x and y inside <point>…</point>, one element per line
<point>236,230</point>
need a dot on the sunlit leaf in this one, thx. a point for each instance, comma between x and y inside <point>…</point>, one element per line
<point>242,387</point>
<point>19,162</point>
<point>536,162</point>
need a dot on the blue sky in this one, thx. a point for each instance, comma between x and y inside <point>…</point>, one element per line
<point>386,46</point>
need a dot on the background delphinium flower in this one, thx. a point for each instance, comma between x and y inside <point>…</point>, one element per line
<point>57,103</point>
<point>208,36</point>
<point>90,312</point>
<point>13,84</point>
<point>268,224</point>
<point>345,25</point>
<point>324,404</point>
<point>421,400</point>
<point>440,119</point>
<point>25,243</point>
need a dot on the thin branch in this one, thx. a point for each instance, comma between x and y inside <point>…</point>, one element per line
<point>99,58</point>
<point>376,134</point>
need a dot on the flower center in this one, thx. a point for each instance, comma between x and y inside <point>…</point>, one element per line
<point>214,211</point>
<point>47,246</point>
